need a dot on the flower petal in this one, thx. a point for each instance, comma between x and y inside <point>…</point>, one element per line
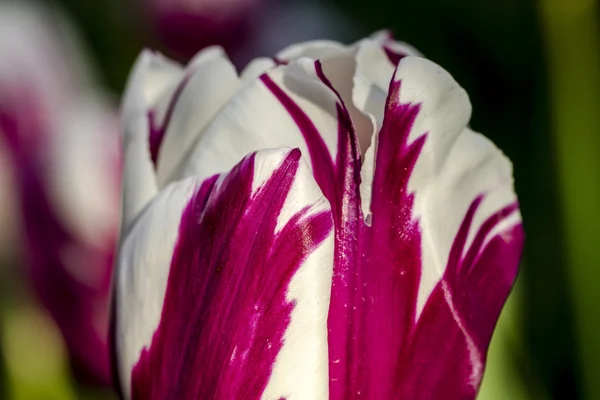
<point>256,68</point>
<point>223,286</point>
<point>151,77</point>
<point>209,81</point>
<point>289,106</point>
<point>436,257</point>
<point>165,110</point>
<point>314,49</point>
<point>359,72</point>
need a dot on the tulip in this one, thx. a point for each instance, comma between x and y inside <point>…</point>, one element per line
<point>324,225</point>
<point>63,144</point>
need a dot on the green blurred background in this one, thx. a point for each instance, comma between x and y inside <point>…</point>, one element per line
<point>532,70</point>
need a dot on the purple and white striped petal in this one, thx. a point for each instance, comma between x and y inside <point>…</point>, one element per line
<point>198,100</point>
<point>359,72</point>
<point>289,106</point>
<point>165,109</point>
<point>223,286</point>
<point>417,291</point>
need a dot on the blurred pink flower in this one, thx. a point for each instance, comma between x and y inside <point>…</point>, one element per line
<point>245,28</point>
<point>62,136</point>
<point>188,25</point>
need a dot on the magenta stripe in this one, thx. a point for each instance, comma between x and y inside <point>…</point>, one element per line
<point>393,56</point>
<point>323,168</point>
<point>340,184</point>
<point>488,225</point>
<point>456,251</point>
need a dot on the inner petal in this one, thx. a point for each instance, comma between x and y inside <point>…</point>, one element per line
<point>340,69</point>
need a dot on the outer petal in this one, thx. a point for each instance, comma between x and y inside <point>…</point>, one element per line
<point>315,49</point>
<point>413,309</point>
<point>223,287</point>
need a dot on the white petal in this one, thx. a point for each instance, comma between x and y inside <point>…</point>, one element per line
<point>256,68</point>
<point>255,119</point>
<point>151,77</point>
<point>316,50</point>
<point>372,80</point>
<point>213,81</point>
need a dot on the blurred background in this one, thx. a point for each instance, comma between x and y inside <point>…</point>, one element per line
<point>531,68</point>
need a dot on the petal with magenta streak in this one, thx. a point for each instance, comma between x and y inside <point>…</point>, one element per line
<point>223,286</point>
<point>412,311</point>
<point>165,109</point>
<point>289,106</point>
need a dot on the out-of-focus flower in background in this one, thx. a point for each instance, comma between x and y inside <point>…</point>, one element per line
<point>61,135</point>
<point>323,225</point>
<point>8,220</point>
<point>185,26</point>
<point>245,28</point>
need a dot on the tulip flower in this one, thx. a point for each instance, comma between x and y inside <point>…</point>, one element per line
<point>323,225</point>
<point>63,144</point>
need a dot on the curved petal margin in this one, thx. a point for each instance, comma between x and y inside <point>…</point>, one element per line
<point>223,286</point>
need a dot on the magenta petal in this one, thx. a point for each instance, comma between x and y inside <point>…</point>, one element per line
<point>225,310</point>
<point>378,284</point>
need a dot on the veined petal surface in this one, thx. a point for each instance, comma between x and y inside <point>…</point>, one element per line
<point>223,286</point>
